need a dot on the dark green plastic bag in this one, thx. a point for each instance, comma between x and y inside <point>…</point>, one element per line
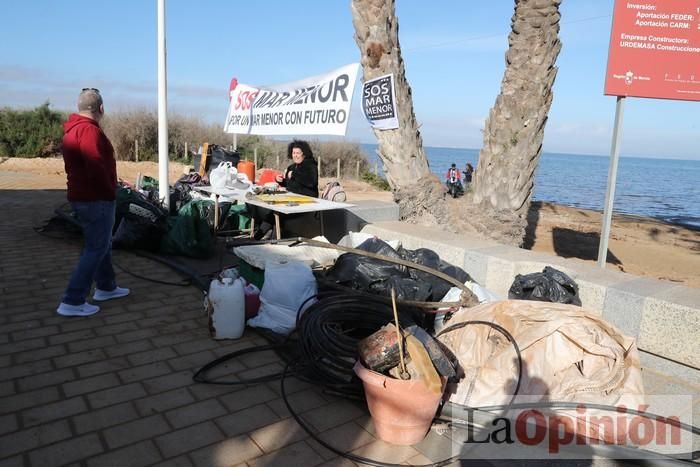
<point>189,232</point>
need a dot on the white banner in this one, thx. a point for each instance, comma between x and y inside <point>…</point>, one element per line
<point>313,106</point>
<point>379,102</point>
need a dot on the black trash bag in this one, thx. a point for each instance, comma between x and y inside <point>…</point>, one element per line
<point>367,274</point>
<point>180,193</point>
<point>137,233</point>
<point>429,258</point>
<point>404,287</point>
<point>550,285</point>
<point>362,273</point>
<point>422,256</point>
<point>378,277</point>
<point>220,154</point>
<point>139,223</point>
<point>217,155</point>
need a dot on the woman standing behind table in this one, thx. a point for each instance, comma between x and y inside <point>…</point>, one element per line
<point>301,177</point>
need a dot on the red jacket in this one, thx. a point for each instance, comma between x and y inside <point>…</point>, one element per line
<point>89,159</point>
<point>453,171</point>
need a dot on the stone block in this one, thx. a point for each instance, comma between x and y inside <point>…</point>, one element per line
<point>624,303</point>
<point>670,325</point>
<point>228,452</point>
<point>188,439</point>
<point>140,454</point>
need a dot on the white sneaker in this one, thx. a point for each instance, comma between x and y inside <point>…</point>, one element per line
<point>85,309</point>
<point>102,295</point>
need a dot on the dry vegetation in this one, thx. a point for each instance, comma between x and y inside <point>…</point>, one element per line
<point>134,135</point>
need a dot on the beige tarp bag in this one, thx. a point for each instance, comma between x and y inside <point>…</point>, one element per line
<point>568,354</point>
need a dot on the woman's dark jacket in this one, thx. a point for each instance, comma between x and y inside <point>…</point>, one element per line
<point>304,179</point>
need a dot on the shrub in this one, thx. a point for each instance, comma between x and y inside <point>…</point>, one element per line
<point>39,132</point>
<point>126,127</point>
<point>30,133</point>
<point>273,154</point>
<point>349,155</point>
<point>376,181</point>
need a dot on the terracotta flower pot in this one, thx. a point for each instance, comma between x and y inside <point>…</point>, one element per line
<point>402,411</point>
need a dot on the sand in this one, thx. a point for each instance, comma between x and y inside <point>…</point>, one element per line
<point>638,245</point>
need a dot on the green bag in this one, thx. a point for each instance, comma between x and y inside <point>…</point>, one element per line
<point>234,217</point>
<point>189,232</point>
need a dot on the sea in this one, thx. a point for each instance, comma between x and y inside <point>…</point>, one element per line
<point>665,189</point>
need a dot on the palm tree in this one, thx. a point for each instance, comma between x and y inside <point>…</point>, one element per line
<point>504,179</point>
<point>514,130</point>
<point>416,189</point>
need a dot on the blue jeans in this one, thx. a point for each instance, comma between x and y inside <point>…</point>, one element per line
<point>97,220</point>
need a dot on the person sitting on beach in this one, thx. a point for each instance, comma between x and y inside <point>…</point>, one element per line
<point>454,181</point>
<point>468,173</point>
<point>301,176</point>
<point>453,176</point>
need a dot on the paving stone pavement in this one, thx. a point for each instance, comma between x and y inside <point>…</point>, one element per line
<point>116,388</point>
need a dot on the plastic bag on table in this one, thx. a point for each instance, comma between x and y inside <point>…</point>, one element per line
<point>222,175</point>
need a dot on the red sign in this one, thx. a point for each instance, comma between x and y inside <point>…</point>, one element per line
<point>655,50</point>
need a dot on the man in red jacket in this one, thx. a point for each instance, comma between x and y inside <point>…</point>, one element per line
<point>92,181</point>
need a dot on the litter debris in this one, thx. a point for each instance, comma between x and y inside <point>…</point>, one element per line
<point>550,285</point>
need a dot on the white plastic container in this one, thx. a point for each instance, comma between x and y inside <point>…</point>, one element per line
<point>226,308</point>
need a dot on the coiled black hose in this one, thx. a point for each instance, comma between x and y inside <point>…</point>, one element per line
<point>329,331</point>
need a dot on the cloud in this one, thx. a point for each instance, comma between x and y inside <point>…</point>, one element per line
<point>22,86</point>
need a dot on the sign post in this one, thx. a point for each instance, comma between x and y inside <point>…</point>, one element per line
<point>612,178</point>
<point>654,52</point>
<point>163,157</point>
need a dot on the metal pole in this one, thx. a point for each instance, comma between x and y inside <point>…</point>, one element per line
<point>357,170</point>
<point>337,171</point>
<point>235,142</point>
<point>163,186</point>
<point>612,177</point>
<point>255,158</point>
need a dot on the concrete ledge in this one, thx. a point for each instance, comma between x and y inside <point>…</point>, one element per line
<point>338,222</point>
<point>662,316</point>
<point>375,211</point>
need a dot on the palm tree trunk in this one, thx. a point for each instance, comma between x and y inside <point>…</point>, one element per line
<point>514,130</point>
<point>377,36</point>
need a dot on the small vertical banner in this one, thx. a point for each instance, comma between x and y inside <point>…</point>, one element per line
<point>379,102</point>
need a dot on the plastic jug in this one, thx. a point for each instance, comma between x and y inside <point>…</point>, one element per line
<point>252,300</point>
<point>247,168</point>
<point>268,176</point>
<point>227,308</point>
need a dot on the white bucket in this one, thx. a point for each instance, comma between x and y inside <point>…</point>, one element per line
<point>227,308</point>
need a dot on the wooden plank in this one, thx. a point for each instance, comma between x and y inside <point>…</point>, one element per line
<point>203,160</point>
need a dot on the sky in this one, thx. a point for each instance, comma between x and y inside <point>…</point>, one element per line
<point>453,53</point>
